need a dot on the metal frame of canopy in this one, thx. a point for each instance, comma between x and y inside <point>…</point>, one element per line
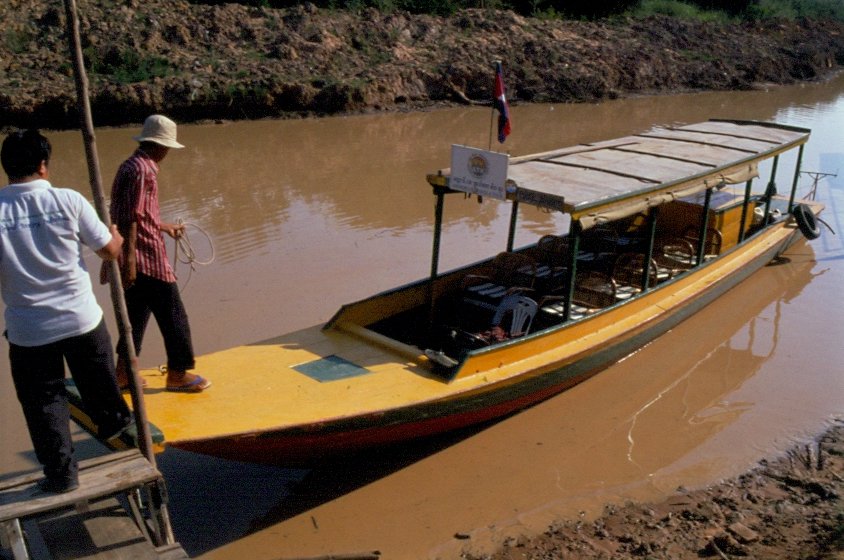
<point>606,181</point>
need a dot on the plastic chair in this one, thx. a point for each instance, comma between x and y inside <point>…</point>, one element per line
<point>522,310</point>
<point>509,273</point>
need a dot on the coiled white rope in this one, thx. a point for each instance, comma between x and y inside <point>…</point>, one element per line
<point>184,252</point>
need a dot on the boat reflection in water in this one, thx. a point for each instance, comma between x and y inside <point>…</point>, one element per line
<point>699,400</point>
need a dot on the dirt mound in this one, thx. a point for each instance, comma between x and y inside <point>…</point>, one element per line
<point>233,61</point>
<point>786,509</point>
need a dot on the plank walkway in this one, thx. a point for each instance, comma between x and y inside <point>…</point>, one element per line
<point>100,520</point>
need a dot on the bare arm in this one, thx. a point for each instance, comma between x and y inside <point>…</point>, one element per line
<point>112,248</point>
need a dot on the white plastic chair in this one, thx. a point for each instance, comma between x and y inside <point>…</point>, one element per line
<point>523,310</point>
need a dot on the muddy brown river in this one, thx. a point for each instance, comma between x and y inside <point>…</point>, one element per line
<point>303,216</point>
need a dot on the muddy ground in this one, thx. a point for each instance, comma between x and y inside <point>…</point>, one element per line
<point>788,508</point>
<point>196,62</point>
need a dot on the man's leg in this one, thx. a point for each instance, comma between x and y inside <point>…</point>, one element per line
<point>172,319</point>
<point>139,312</point>
<point>38,375</point>
<point>169,312</point>
<point>91,362</point>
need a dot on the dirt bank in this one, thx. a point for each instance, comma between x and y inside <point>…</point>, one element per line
<point>789,508</point>
<point>231,61</point>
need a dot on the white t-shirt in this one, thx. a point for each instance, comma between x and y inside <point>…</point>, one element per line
<point>43,279</point>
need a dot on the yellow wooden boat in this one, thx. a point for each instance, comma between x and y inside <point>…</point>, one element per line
<point>661,224</point>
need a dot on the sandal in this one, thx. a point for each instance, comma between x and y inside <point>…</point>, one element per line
<point>196,385</point>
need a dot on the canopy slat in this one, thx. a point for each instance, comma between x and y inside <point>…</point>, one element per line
<point>624,175</point>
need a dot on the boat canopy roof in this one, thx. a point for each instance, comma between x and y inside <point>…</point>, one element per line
<point>605,181</point>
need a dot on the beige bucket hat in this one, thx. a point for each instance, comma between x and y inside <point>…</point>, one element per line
<point>161,130</point>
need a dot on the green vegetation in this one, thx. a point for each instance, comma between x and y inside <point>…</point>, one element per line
<point>17,41</point>
<point>705,10</point>
<point>753,10</point>
<point>127,66</point>
<point>677,9</point>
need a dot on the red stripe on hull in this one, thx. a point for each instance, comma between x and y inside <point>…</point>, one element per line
<point>300,448</point>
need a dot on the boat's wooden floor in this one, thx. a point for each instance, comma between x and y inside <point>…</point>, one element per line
<point>256,388</point>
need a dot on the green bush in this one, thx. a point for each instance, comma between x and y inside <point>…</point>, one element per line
<point>820,9</point>
<point>17,41</point>
<point>677,9</point>
<point>772,9</point>
<point>127,66</point>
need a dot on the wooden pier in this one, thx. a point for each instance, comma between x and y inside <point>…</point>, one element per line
<point>118,512</point>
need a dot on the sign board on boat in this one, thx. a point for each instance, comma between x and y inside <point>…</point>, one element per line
<point>478,171</point>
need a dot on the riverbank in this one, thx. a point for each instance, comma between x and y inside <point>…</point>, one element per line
<point>788,508</point>
<point>198,62</point>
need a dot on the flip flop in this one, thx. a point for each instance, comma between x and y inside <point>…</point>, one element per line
<point>196,386</point>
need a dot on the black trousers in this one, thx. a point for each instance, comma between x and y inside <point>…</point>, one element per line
<point>149,296</point>
<point>38,373</point>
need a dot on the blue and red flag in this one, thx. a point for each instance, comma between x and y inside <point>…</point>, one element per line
<point>501,104</point>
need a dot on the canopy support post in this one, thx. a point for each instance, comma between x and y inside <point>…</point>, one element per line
<point>511,235</point>
<point>575,230</point>
<point>796,178</point>
<point>649,253</point>
<point>435,256</point>
<point>745,204</point>
<point>704,227</point>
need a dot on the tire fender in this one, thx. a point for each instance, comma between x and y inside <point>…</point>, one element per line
<point>806,221</point>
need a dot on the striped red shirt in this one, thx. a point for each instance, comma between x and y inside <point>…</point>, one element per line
<point>134,198</point>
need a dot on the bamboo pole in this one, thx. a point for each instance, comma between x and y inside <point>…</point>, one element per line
<point>117,297</point>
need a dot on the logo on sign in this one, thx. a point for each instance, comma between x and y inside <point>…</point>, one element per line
<point>478,165</point>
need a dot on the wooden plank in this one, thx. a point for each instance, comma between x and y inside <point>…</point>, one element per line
<point>105,532</point>
<point>12,538</point>
<point>171,552</point>
<point>98,477</point>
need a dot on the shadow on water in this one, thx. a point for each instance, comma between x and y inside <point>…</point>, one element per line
<point>221,501</point>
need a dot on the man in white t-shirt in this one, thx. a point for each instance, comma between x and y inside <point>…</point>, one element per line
<point>51,313</point>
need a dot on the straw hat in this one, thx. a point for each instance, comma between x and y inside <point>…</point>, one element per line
<point>161,130</point>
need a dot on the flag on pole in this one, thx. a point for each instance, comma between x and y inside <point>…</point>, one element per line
<point>501,104</point>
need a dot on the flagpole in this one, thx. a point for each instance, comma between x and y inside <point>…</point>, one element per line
<point>495,64</point>
<point>491,125</point>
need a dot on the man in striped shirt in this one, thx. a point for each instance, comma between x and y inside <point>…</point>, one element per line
<point>148,278</point>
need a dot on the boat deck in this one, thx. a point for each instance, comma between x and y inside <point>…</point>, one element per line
<point>287,381</point>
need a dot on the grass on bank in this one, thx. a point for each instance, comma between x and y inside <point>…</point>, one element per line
<point>703,10</point>
<point>755,10</point>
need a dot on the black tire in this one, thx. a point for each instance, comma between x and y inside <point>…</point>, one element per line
<point>806,221</point>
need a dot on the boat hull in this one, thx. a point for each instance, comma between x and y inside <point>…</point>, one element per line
<point>309,443</point>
